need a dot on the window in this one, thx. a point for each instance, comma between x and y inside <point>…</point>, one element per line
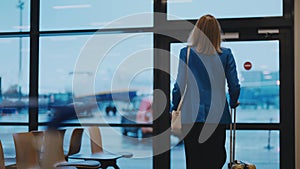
<point>259,97</point>
<point>122,60</point>
<point>120,69</point>
<point>188,9</point>
<point>14,72</point>
<point>14,16</point>
<point>89,14</point>
<point>258,147</point>
<point>7,139</point>
<point>260,85</point>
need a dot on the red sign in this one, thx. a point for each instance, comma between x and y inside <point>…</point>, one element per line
<point>247,65</point>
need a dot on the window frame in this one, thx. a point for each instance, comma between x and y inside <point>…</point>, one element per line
<point>242,25</point>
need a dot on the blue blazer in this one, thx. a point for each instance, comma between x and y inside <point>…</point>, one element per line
<point>198,98</point>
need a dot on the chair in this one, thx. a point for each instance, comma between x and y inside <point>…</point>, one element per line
<point>54,154</point>
<point>62,133</point>
<point>96,142</point>
<point>2,163</point>
<point>75,142</point>
<point>38,141</point>
<point>106,159</point>
<point>51,157</point>
<point>26,154</point>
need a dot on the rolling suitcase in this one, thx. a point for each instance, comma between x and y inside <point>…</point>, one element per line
<point>236,164</point>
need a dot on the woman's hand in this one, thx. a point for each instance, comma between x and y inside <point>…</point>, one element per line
<point>236,105</point>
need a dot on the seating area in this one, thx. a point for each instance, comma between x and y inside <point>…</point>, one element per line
<point>97,153</point>
<point>45,149</point>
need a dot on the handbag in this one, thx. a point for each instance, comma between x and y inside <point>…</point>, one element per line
<point>176,114</point>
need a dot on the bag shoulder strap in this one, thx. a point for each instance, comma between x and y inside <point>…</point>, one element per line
<point>186,78</point>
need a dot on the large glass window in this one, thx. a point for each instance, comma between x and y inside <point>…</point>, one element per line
<point>121,66</point>
<point>14,73</point>
<point>6,137</point>
<point>259,97</point>
<point>114,68</point>
<point>261,148</point>
<point>14,15</point>
<point>260,85</point>
<point>121,69</point>
<point>188,9</point>
<point>89,14</point>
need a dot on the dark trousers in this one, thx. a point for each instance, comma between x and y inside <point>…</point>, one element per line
<point>208,155</point>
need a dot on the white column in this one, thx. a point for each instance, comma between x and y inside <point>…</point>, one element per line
<point>297,83</point>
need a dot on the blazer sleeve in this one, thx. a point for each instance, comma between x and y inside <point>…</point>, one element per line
<point>232,80</point>
<point>180,80</point>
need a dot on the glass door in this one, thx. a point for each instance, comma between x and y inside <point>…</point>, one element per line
<point>261,63</point>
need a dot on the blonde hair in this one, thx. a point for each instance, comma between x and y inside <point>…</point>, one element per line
<point>206,35</point>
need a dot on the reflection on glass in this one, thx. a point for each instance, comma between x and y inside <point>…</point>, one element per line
<point>258,147</point>
<point>260,85</point>
<point>188,9</point>
<point>261,148</point>
<point>14,15</point>
<point>113,141</point>
<point>113,70</point>
<point>14,88</point>
<point>89,14</point>
<point>7,139</point>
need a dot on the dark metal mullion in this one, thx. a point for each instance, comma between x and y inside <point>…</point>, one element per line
<point>257,126</point>
<point>14,124</point>
<point>240,126</point>
<point>100,124</point>
<point>288,9</point>
<point>272,37</point>
<point>287,100</point>
<point>242,37</point>
<point>162,120</point>
<point>14,34</point>
<point>263,22</point>
<point>236,24</point>
<point>34,63</point>
<point>161,82</point>
<point>95,31</point>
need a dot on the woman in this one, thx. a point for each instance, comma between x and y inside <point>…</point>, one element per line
<point>205,102</point>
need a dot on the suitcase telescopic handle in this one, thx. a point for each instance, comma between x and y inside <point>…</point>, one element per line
<point>232,135</point>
